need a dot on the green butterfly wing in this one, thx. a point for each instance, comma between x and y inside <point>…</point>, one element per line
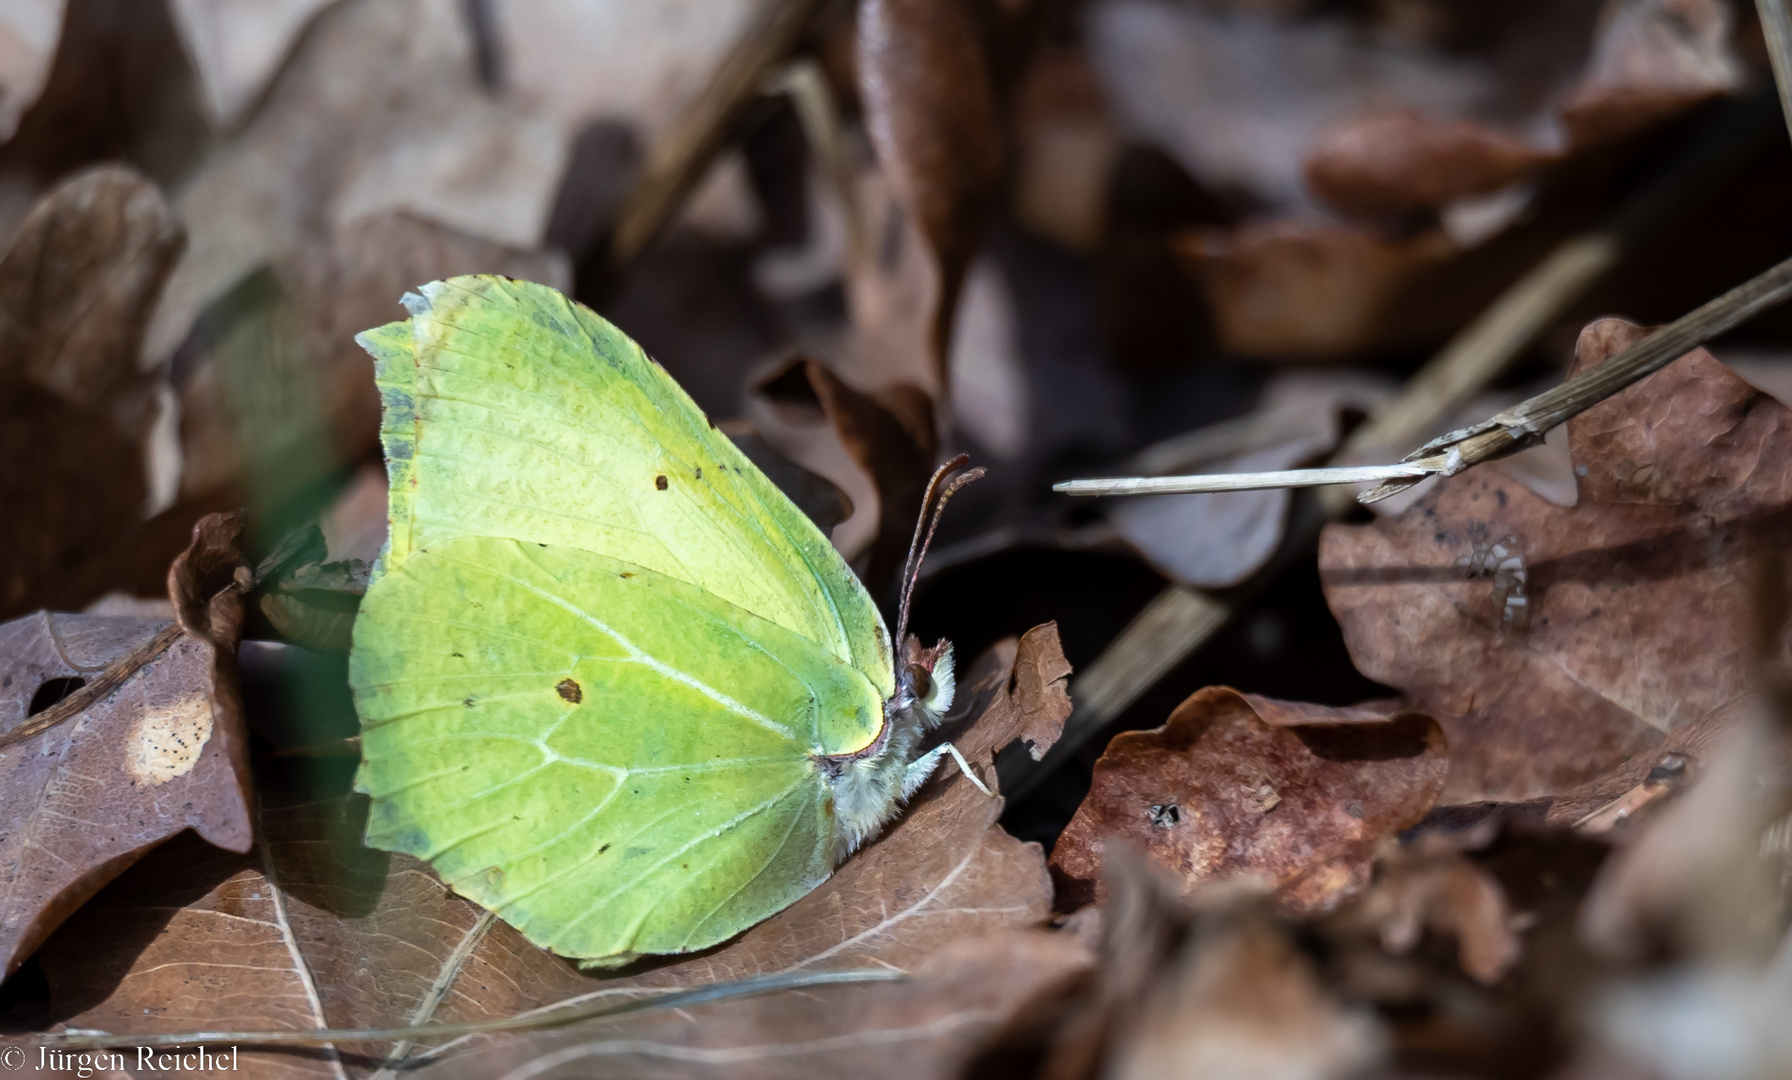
<point>511,411</point>
<point>592,699</point>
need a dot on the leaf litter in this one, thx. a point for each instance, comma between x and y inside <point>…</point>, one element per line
<point>1562,841</point>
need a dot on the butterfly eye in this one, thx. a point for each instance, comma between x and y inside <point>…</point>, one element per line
<point>920,681</point>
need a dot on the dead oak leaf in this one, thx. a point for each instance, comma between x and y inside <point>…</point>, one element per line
<point>1555,642</point>
<point>1388,163</point>
<point>888,434</point>
<point>326,933</point>
<point>1027,687</point>
<point>929,1026</point>
<point>117,734</point>
<point>76,288</point>
<point>320,931</point>
<point>1235,785</point>
<point>931,112</point>
<point>1429,885</point>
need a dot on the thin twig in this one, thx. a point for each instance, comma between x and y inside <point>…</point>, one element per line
<point>1522,426</point>
<point>1244,481</point>
<point>107,682</point>
<point>1182,618</point>
<point>679,159</point>
<point>805,83</point>
<point>79,1039</point>
<point>1525,424</point>
<point>1776,27</point>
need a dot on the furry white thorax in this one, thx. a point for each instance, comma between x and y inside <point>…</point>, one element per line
<point>868,791</point>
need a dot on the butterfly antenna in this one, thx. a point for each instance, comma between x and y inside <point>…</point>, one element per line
<point>917,548</point>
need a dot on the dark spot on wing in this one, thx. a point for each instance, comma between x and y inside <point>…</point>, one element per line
<point>660,482</point>
<point>569,690</point>
<point>626,574</point>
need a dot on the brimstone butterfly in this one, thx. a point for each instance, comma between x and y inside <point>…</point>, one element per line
<point>613,685</point>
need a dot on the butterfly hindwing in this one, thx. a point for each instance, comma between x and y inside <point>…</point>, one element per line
<point>615,761</point>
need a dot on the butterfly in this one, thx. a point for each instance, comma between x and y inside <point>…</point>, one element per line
<point>613,685</point>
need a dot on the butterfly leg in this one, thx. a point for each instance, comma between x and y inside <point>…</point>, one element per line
<point>922,767</point>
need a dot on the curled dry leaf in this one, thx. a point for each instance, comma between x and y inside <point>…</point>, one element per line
<point>309,600</point>
<point>888,434</point>
<point>1555,642</point>
<point>1234,785</point>
<point>1302,289</point>
<point>119,733</point>
<point>1707,875</point>
<point>1213,989</point>
<point>1653,59</point>
<point>329,933</point>
<point>1285,110</point>
<point>1026,685</point>
<point>1240,1002</point>
<point>1385,164</point>
<point>75,291</point>
<point>1429,885</point>
<point>930,107</point>
<point>321,932</point>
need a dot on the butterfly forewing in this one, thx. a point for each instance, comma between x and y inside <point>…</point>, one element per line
<point>527,416</point>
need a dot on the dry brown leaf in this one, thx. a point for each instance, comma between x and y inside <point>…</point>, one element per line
<point>1214,541</point>
<point>1319,290</point>
<point>1385,164</point>
<point>1066,150</point>
<point>352,279</point>
<point>1213,989</point>
<point>930,108</point>
<point>1707,874</point>
<point>121,732</point>
<point>321,932</point>
<point>236,48</point>
<point>1240,98</point>
<point>346,131</point>
<point>1653,59</point>
<point>28,34</point>
<point>345,936</point>
<point>75,291</point>
<point>889,434</point>
<point>1429,885</point>
<point>1234,785</point>
<point>1239,1003</point>
<point>1554,642</point>
<point>930,1027</point>
<point>578,62</point>
<point>1026,685</point>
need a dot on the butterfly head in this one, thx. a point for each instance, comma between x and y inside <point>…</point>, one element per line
<point>926,682</point>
